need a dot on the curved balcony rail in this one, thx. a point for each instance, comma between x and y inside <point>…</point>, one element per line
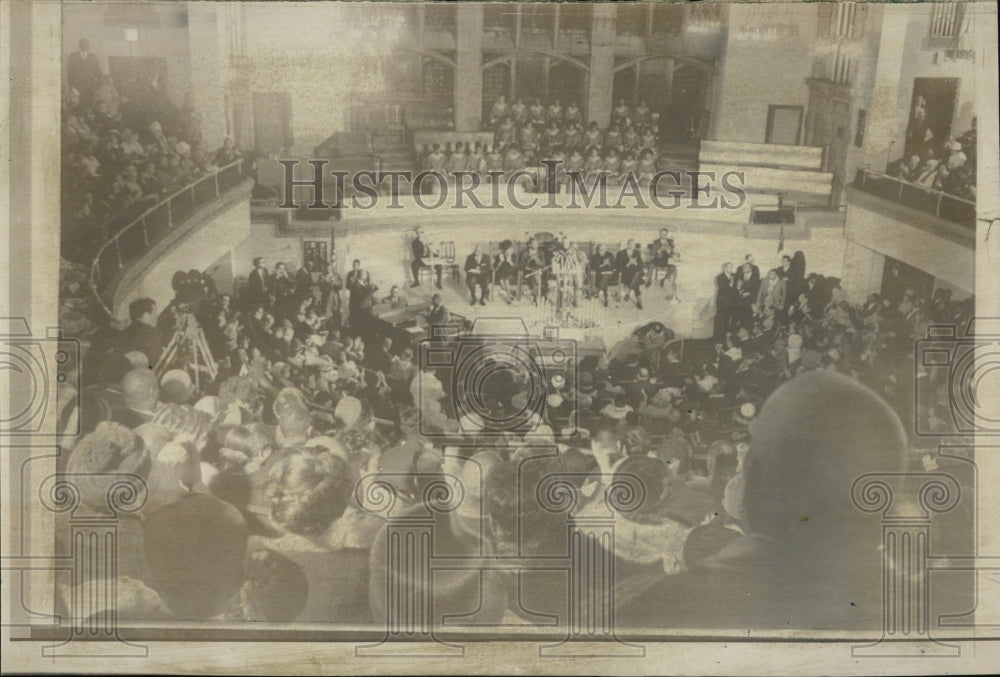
<point>942,205</point>
<point>154,224</point>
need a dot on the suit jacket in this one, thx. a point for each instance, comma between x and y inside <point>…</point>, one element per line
<point>259,284</point>
<point>748,283</point>
<point>727,295</point>
<point>439,315</point>
<point>84,73</point>
<point>144,338</point>
<point>777,298</point>
<point>482,262</point>
<point>361,289</point>
<point>419,250</point>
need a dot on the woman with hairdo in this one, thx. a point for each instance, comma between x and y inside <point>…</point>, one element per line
<point>309,489</point>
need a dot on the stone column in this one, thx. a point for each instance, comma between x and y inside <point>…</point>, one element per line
<point>469,70</point>
<point>206,72</point>
<point>601,79</point>
<point>880,143</point>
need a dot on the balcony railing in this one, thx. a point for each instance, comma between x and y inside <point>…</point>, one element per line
<point>943,205</point>
<point>154,224</point>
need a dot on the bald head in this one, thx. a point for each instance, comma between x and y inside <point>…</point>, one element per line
<point>140,389</point>
<point>815,436</point>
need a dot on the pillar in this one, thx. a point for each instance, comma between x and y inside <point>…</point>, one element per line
<point>601,80</point>
<point>469,67</point>
<point>884,133</point>
<point>206,41</point>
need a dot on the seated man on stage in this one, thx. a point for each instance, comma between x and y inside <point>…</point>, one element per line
<point>533,269</point>
<point>602,270</point>
<point>395,300</point>
<point>661,253</point>
<point>438,314</point>
<point>420,252</point>
<point>477,274</point>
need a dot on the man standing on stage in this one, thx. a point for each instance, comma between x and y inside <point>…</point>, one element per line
<point>420,252</point>
<point>361,289</point>
<point>532,264</point>
<point>259,284</point>
<point>602,268</point>
<point>726,298</point>
<point>477,273</point>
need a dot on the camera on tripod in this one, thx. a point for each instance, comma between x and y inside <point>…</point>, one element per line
<point>192,289</point>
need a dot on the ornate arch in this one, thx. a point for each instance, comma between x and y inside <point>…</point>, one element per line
<point>565,58</point>
<point>632,63</point>
<point>437,56</point>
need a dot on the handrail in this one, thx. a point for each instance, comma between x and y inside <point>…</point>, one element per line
<point>937,195</point>
<point>168,202</point>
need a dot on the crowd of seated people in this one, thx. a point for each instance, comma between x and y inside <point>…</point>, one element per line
<point>525,135</point>
<point>307,400</point>
<point>949,167</point>
<point>122,156</point>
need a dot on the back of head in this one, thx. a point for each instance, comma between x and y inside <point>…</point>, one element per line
<point>194,550</point>
<point>110,449</point>
<point>309,489</point>
<point>814,437</point>
<point>140,389</point>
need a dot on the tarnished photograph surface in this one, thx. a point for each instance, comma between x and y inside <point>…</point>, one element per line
<point>492,337</point>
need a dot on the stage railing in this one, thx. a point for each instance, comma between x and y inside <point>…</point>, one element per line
<point>154,224</point>
<point>936,202</point>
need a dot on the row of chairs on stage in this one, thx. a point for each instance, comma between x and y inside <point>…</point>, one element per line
<point>451,266</point>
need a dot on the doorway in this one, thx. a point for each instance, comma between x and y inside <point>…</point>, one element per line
<point>932,110</point>
<point>784,125</point>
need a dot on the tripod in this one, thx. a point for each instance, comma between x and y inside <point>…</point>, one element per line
<point>189,339</point>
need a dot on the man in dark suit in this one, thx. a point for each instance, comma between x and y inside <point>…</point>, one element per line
<point>359,285</point>
<point>747,284</point>
<point>259,284</point>
<point>477,274</point>
<point>438,314</point>
<point>141,334</point>
<point>304,281</point>
<point>83,72</point>
<point>420,252</point>
<point>726,299</point>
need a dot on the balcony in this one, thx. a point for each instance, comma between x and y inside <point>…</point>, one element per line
<point>170,219</point>
<point>957,215</point>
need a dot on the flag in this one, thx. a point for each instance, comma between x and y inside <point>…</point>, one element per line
<point>781,237</point>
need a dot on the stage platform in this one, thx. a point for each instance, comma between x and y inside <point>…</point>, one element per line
<point>590,324</point>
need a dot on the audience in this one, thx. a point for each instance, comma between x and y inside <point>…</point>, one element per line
<point>120,156</point>
<point>955,174</point>
<point>254,512</point>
